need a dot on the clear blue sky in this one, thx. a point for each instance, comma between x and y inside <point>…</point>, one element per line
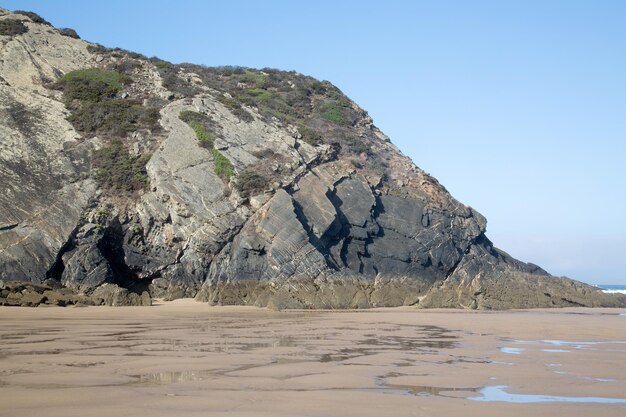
<point>517,107</point>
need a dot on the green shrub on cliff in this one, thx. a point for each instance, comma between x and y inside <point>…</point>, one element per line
<point>91,95</point>
<point>260,94</point>
<point>12,27</point>
<point>118,170</point>
<point>250,182</point>
<point>113,117</point>
<point>69,32</point>
<point>33,16</point>
<point>333,112</point>
<point>259,80</point>
<point>92,84</point>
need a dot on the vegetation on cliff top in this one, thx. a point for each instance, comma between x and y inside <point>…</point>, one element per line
<point>321,113</point>
<point>69,32</point>
<point>12,27</point>
<point>16,27</point>
<point>33,16</point>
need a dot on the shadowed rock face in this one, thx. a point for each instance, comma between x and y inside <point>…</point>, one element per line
<point>344,220</point>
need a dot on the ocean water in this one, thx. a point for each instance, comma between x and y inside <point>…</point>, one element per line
<point>612,288</point>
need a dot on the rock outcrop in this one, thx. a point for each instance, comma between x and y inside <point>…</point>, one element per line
<point>51,293</point>
<point>125,176</point>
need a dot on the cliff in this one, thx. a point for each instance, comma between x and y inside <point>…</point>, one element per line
<point>231,185</point>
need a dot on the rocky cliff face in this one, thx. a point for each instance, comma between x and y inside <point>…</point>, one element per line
<point>231,185</point>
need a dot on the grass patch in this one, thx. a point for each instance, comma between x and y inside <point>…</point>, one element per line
<point>196,121</point>
<point>333,112</point>
<point>223,167</point>
<point>206,138</point>
<point>258,79</point>
<point>260,94</point>
<point>12,27</point>
<point>116,169</point>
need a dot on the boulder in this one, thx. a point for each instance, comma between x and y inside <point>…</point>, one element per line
<point>113,295</point>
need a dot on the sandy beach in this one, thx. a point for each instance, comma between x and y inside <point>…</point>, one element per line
<point>184,358</point>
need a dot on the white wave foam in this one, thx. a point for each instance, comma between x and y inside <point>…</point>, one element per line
<point>614,291</point>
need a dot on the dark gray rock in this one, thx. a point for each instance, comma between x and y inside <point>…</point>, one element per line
<point>354,199</point>
<point>86,268</point>
<point>317,212</point>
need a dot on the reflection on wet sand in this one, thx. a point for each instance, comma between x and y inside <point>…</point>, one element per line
<point>498,393</point>
<point>226,358</point>
<point>171,377</point>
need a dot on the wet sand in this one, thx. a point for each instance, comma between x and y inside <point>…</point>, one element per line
<point>188,359</point>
